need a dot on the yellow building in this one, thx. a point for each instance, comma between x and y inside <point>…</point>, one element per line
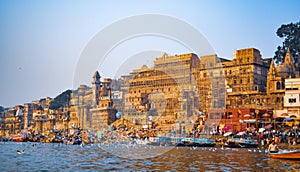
<point>180,86</point>
<point>11,121</point>
<point>164,94</point>
<point>93,107</point>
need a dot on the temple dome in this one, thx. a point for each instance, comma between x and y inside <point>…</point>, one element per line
<point>283,70</point>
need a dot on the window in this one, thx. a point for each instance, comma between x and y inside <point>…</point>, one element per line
<point>292,100</point>
<point>277,99</point>
<point>278,86</point>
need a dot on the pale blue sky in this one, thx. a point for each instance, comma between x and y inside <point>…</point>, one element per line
<point>41,41</point>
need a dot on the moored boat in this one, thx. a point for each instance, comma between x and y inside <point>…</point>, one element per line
<point>199,142</point>
<point>19,138</point>
<point>293,154</point>
<point>241,143</point>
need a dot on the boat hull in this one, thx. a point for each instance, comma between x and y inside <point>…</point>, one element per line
<point>19,138</point>
<point>240,145</point>
<point>286,155</point>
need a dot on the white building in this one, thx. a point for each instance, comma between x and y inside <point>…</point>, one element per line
<point>292,97</point>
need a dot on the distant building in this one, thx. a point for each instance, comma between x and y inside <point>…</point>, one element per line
<point>93,107</point>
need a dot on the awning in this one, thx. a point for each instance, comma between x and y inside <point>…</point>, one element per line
<point>248,120</point>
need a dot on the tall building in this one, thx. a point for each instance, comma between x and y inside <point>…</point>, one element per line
<point>93,107</point>
<point>165,95</point>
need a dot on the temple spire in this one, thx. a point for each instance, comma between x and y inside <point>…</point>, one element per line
<point>288,60</point>
<point>272,69</point>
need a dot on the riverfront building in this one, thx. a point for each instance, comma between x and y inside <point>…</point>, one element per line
<point>170,94</point>
<point>179,94</point>
<point>93,107</point>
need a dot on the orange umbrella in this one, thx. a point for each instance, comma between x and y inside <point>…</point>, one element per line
<point>266,115</point>
<point>284,114</point>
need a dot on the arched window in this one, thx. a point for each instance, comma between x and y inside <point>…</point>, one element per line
<point>277,85</point>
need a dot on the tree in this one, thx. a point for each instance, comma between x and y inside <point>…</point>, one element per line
<point>61,100</point>
<point>291,35</point>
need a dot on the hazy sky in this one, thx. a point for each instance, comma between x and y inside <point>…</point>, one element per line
<point>41,41</point>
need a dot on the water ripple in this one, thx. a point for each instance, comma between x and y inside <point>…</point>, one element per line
<point>60,157</point>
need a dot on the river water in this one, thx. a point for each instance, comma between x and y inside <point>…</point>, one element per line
<point>60,157</point>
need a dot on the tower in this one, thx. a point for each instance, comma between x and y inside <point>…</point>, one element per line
<point>96,84</point>
<point>272,78</point>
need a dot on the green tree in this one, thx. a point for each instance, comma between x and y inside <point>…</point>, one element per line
<point>61,100</point>
<point>291,35</point>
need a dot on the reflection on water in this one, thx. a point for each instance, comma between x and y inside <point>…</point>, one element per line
<point>58,157</point>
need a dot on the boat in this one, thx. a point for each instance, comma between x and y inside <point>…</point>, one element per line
<point>73,141</point>
<point>159,141</point>
<point>241,143</point>
<point>19,138</point>
<point>199,142</point>
<point>285,154</point>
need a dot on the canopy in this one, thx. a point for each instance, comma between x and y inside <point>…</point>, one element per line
<point>247,115</point>
<point>284,115</point>
<point>266,115</point>
<point>227,134</point>
<point>241,133</point>
<point>250,121</point>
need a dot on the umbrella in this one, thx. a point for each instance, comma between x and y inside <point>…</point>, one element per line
<point>266,115</point>
<point>227,134</point>
<point>247,115</point>
<point>268,126</point>
<point>284,114</point>
<point>261,130</point>
<point>241,133</point>
<point>226,128</point>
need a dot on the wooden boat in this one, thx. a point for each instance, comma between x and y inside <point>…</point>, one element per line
<point>293,154</point>
<point>198,142</point>
<point>19,138</point>
<point>241,143</point>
